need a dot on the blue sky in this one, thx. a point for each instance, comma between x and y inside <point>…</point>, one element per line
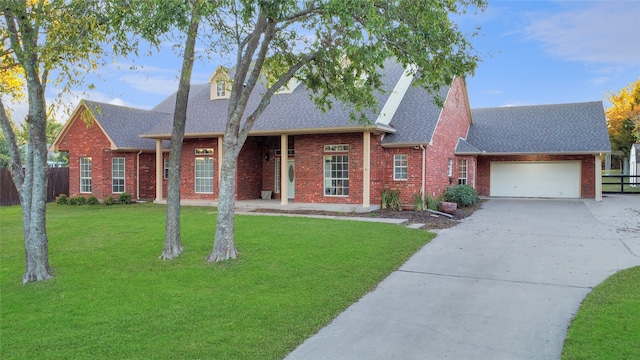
<point>534,52</point>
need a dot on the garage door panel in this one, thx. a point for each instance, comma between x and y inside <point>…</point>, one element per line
<point>559,179</point>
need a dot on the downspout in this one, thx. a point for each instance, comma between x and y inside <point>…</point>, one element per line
<point>138,175</point>
<point>424,159</point>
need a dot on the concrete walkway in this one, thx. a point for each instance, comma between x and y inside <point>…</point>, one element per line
<point>503,284</point>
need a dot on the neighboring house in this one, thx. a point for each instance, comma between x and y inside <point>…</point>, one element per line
<point>302,154</point>
<point>634,164</point>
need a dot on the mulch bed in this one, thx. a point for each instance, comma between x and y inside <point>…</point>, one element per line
<point>431,221</point>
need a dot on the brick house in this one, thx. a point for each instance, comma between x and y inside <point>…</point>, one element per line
<point>298,153</point>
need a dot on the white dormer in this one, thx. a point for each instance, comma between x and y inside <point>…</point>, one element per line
<point>288,88</point>
<point>220,83</point>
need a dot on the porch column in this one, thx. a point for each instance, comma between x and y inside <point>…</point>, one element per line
<point>159,169</point>
<point>220,154</point>
<point>366,170</point>
<point>598,179</point>
<point>284,167</point>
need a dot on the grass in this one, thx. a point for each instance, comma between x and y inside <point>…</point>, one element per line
<point>113,298</point>
<point>607,325</point>
<point>613,184</point>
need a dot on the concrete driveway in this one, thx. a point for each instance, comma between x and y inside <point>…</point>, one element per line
<point>503,284</point>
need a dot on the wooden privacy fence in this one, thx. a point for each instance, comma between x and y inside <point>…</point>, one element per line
<point>58,184</point>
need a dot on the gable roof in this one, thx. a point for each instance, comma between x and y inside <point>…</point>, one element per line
<point>121,125</point>
<point>540,129</point>
<point>293,112</point>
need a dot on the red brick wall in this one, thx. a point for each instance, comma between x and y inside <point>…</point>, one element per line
<point>588,188</point>
<point>408,187</point>
<point>251,161</point>
<point>188,169</point>
<point>309,167</point>
<point>454,123</point>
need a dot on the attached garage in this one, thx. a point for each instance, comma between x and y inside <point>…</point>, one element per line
<point>539,179</point>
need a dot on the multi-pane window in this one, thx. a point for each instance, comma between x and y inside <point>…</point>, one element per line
<point>85,175</point>
<point>117,175</point>
<point>276,184</point>
<point>400,166</point>
<point>166,169</point>
<point>220,88</point>
<point>462,171</point>
<point>336,175</point>
<point>204,175</point>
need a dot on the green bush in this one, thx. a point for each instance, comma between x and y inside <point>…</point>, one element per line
<point>418,202</point>
<point>391,199</point>
<point>125,198</point>
<point>463,195</point>
<point>63,199</point>
<point>73,200</point>
<point>81,200</point>
<point>432,203</point>
<point>109,201</point>
<point>92,200</point>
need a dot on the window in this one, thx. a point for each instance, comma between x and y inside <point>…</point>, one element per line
<point>276,184</point>
<point>117,175</point>
<point>85,175</point>
<point>400,167</point>
<point>462,171</point>
<point>336,175</point>
<point>166,169</point>
<point>204,175</point>
<point>450,167</point>
<point>203,151</point>
<point>336,148</point>
<point>220,88</point>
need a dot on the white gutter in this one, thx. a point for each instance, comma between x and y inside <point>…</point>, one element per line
<point>138,175</point>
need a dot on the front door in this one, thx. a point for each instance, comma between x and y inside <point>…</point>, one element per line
<point>291,178</point>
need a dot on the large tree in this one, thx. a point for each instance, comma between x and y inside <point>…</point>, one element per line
<point>335,48</point>
<point>41,37</point>
<point>623,117</point>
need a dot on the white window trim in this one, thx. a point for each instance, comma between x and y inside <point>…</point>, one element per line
<point>221,88</point>
<point>90,165</point>
<point>195,175</point>
<point>113,177</point>
<point>463,180</point>
<point>165,172</point>
<point>450,167</point>
<point>397,167</point>
<point>339,190</point>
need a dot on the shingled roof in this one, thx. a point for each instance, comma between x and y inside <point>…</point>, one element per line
<point>123,125</point>
<point>541,129</point>
<point>293,113</point>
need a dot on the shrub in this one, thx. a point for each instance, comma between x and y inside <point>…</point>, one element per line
<point>73,200</point>
<point>432,203</point>
<point>125,198</point>
<point>92,200</point>
<point>63,199</point>
<point>391,199</point>
<point>81,200</point>
<point>463,195</point>
<point>109,201</point>
<point>418,202</point>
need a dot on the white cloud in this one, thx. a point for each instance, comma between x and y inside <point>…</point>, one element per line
<point>603,32</point>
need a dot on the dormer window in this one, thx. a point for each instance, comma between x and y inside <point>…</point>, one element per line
<point>220,88</point>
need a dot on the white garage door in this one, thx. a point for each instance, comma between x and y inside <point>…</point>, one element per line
<point>548,179</point>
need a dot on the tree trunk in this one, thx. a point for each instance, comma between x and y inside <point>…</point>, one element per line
<point>224,246</point>
<point>172,240</point>
<point>34,193</point>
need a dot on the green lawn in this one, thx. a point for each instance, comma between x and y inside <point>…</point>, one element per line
<point>113,298</point>
<point>607,326</point>
<point>613,184</point>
